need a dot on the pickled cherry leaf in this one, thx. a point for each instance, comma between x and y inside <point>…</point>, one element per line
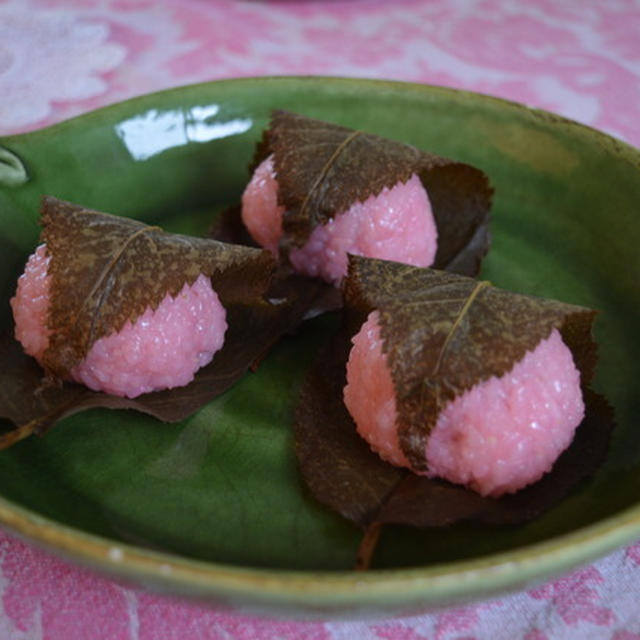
<point>444,333</point>
<point>34,404</point>
<point>106,270</point>
<point>344,474</point>
<point>96,255</point>
<point>24,400</point>
<point>322,297</point>
<point>323,168</point>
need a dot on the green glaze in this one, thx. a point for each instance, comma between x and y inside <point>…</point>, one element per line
<point>214,507</point>
<point>12,171</point>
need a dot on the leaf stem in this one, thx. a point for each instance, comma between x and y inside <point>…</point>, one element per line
<point>11,437</point>
<point>368,546</point>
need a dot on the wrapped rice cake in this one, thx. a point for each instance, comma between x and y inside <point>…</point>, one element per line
<point>499,436</point>
<point>163,348</point>
<point>126,308</point>
<point>320,191</point>
<point>453,378</point>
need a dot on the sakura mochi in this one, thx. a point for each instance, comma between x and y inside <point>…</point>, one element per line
<point>454,378</point>
<point>396,224</point>
<point>320,192</point>
<point>501,435</point>
<point>162,349</point>
<point>127,308</point>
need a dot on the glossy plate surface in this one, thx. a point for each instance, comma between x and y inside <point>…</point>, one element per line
<point>214,507</point>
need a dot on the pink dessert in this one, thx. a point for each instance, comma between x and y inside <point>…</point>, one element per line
<point>160,350</point>
<point>261,213</point>
<point>397,224</point>
<point>496,438</point>
<point>30,305</point>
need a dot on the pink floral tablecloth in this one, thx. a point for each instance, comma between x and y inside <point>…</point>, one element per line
<point>59,58</point>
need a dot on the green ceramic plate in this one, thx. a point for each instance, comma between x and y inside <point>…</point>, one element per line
<point>214,507</point>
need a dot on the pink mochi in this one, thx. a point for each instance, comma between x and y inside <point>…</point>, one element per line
<point>162,349</point>
<point>498,437</point>
<point>397,224</point>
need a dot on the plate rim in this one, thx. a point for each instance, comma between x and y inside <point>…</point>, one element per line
<point>323,592</point>
<point>329,592</point>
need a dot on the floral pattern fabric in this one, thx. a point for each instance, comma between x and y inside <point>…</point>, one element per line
<point>580,58</point>
<point>43,598</point>
<point>60,58</point>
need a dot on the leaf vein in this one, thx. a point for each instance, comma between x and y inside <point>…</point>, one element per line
<point>323,173</point>
<point>456,323</point>
<point>109,267</point>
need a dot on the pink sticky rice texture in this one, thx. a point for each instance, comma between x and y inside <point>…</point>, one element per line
<point>30,305</point>
<point>162,349</point>
<point>261,213</point>
<point>497,437</point>
<point>397,224</point>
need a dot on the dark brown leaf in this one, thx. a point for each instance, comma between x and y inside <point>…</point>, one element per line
<point>336,463</point>
<point>25,400</point>
<point>344,474</point>
<point>320,297</point>
<point>106,270</point>
<point>256,317</point>
<point>443,333</point>
<point>34,405</point>
<point>322,169</point>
